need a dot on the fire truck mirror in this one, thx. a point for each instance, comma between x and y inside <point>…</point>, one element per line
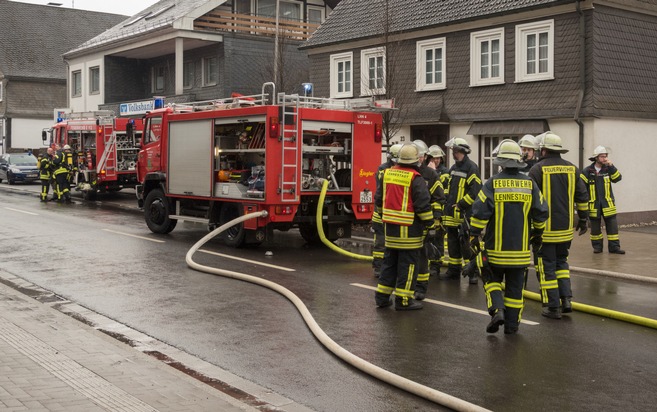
<point>44,135</point>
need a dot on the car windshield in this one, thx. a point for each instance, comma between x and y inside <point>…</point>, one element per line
<point>23,160</point>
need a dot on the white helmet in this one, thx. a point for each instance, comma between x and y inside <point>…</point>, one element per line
<point>552,142</point>
<point>458,144</point>
<point>408,154</point>
<point>509,154</point>
<point>66,147</point>
<point>435,151</point>
<point>422,147</point>
<point>598,151</point>
<point>393,151</point>
<point>528,141</point>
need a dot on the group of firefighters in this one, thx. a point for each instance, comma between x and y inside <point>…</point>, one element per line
<point>57,166</point>
<point>491,230</point>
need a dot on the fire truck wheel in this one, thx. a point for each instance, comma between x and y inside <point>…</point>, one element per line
<point>89,194</point>
<point>156,211</point>
<point>233,236</point>
<point>309,233</point>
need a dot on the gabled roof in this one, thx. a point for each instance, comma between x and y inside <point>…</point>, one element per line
<point>358,19</point>
<point>33,37</point>
<point>160,16</point>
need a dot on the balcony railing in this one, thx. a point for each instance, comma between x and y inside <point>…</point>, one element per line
<point>258,25</point>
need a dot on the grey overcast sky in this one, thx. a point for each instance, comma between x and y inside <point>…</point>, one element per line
<point>127,7</point>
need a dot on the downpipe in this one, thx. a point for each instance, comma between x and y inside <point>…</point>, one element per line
<point>400,382</point>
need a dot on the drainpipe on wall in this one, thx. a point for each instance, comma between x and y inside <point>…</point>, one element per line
<point>582,81</point>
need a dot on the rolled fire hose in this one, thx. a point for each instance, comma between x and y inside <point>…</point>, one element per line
<point>373,370</point>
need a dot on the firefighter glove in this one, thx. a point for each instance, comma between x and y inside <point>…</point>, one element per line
<point>463,205</point>
<point>536,239</point>
<point>581,226</point>
<point>475,244</point>
<point>438,224</point>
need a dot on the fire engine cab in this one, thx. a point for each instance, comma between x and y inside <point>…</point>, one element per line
<point>105,149</point>
<point>213,161</point>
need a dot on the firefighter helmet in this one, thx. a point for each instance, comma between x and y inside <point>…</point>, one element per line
<point>598,151</point>
<point>422,147</point>
<point>435,151</point>
<point>528,141</point>
<point>509,154</point>
<point>393,151</point>
<point>551,142</point>
<point>408,154</point>
<point>458,144</point>
<point>66,147</point>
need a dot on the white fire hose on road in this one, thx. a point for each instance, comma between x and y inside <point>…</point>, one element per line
<point>367,367</point>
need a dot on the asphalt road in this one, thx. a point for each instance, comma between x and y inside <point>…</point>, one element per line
<point>101,255</point>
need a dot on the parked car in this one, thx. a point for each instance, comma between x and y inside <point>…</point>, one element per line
<point>18,167</point>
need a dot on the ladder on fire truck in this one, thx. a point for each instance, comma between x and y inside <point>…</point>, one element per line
<point>107,162</point>
<point>288,186</point>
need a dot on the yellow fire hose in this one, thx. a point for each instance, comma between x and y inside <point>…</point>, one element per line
<point>400,382</point>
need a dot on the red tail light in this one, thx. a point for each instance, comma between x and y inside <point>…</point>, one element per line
<point>283,210</point>
<point>364,208</point>
<point>378,133</point>
<point>274,128</point>
<point>100,130</point>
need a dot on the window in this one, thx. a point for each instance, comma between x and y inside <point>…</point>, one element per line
<point>373,71</point>
<point>487,57</point>
<point>488,169</point>
<point>210,71</point>
<point>316,15</point>
<point>341,75</point>
<point>287,10</point>
<point>430,64</point>
<point>76,83</point>
<point>94,80</point>
<point>153,129</point>
<point>1,90</point>
<point>188,75</point>
<point>158,78</point>
<point>535,51</point>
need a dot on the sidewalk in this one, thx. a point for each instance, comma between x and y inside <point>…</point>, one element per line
<point>51,362</point>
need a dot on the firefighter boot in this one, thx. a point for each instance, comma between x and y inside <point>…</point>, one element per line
<point>407,304</point>
<point>566,305</point>
<point>496,320</point>
<point>382,300</point>
<point>552,313</point>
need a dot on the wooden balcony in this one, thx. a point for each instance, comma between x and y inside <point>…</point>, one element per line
<point>256,25</point>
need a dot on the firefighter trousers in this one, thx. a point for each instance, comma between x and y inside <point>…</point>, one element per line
<point>439,241</point>
<point>398,274</point>
<point>45,188</point>
<point>611,226</point>
<point>378,248</point>
<point>62,190</point>
<point>423,270</point>
<point>455,261</point>
<point>511,299</point>
<point>554,273</point>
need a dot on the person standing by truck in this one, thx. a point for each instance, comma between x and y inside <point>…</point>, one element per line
<point>62,189</point>
<point>45,173</point>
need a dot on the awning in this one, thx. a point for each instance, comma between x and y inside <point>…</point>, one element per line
<point>508,128</point>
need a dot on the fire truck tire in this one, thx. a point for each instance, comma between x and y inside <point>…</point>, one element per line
<point>309,233</point>
<point>156,212</point>
<point>89,194</point>
<point>233,236</point>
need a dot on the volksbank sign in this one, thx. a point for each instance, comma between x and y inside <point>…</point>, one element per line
<point>129,109</point>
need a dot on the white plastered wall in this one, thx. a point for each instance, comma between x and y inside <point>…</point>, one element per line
<point>87,102</point>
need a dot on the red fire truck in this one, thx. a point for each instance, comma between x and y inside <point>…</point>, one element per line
<point>105,147</point>
<point>213,161</point>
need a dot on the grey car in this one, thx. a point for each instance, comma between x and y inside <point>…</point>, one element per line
<point>18,167</point>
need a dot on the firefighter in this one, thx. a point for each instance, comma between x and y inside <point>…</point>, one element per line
<point>45,173</point>
<point>406,213</point>
<point>61,172</point>
<point>509,207</point>
<point>71,164</point>
<point>461,190</point>
<point>377,223</point>
<point>436,160</point>
<point>560,182</point>
<point>529,149</point>
<point>437,195</point>
<point>602,205</point>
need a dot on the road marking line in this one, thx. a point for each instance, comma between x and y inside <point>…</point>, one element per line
<point>22,211</point>
<point>450,305</point>
<point>138,237</point>
<point>255,262</point>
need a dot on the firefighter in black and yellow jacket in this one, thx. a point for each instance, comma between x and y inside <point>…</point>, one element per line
<point>598,177</point>
<point>377,224</point>
<point>45,172</point>
<point>437,196</point>
<point>512,210</point>
<point>436,161</point>
<point>405,203</point>
<point>461,192</point>
<point>62,190</point>
<point>560,182</point>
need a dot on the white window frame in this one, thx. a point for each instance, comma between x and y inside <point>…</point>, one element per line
<point>421,64</point>
<point>75,92</point>
<point>93,88</point>
<point>476,40</point>
<point>365,56</point>
<point>156,76</point>
<point>336,60</point>
<point>320,9</point>
<point>1,90</point>
<point>523,31</point>
<point>188,74</point>
<point>210,78</point>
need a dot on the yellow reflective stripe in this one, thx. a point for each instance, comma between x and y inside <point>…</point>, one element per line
<point>492,286</point>
<point>582,206</point>
<point>428,215</point>
<point>513,303</point>
<point>405,243</point>
<point>613,237</point>
<point>423,277</point>
<point>455,261</point>
<point>377,255</point>
<point>384,289</point>
<point>538,225</point>
<point>596,237</point>
<point>563,274</point>
<point>467,199</point>
<point>478,223</point>
<point>616,175</point>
